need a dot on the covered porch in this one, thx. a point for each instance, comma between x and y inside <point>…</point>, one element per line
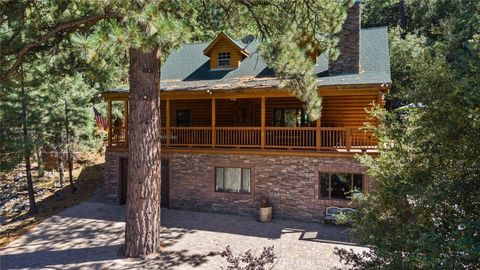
<point>246,122</point>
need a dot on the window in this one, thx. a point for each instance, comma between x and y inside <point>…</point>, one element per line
<point>235,180</point>
<point>183,118</point>
<point>339,185</point>
<point>224,59</point>
<point>289,117</point>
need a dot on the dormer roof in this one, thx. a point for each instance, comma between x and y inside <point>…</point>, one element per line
<point>223,36</point>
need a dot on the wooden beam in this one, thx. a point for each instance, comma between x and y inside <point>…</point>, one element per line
<point>214,124</point>
<point>109,109</point>
<point>125,119</point>
<point>265,152</point>
<point>167,120</point>
<point>331,90</point>
<point>263,122</point>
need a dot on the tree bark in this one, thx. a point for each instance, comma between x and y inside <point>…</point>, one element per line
<point>41,171</point>
<point>403,19</point>
<point>60,165</point>
<point>27,149</point>
<point>144,163</point>
<point>69,149</point>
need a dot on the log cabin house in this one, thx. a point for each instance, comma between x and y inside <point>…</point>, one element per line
<point>230,136</point>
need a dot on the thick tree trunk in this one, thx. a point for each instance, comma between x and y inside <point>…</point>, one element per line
<point>144,163</point>
<point>60,165</point>
<point>27,150</point>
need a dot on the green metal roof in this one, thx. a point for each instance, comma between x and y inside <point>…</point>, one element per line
<point>188,68</point>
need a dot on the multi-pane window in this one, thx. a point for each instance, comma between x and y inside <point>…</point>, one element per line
<point>295,117</point>
<point>224,59</point>
<point>183,118</point>
<point>339,185</point>
<point>232,179</point>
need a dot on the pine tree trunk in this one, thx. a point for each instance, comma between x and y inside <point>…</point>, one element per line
<point>60,165</point>
<point>144,163</point>
<point>27,150</point>
<point>41,171</point>
<point>403,19</point>
<point>69,149</point>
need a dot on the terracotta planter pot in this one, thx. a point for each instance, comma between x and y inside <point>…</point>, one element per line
<point>265,214</point>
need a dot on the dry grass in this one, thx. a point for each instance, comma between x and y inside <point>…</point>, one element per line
<point>88,176</point>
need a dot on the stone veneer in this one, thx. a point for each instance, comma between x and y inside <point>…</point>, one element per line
<point>289,182</point>
<point>112,176</point>
<point>349,44</point>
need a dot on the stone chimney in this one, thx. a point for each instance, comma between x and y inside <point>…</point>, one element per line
<point>349,45</point>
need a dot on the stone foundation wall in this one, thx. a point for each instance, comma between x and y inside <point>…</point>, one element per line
<point>112,176</point>
<point>290,183</point>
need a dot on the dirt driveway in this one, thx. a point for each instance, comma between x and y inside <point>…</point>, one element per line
<point>89,236</point>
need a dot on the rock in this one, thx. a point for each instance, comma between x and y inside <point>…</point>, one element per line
<point>3,221</point>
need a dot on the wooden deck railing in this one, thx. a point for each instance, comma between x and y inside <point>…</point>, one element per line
<point>117,136</point>
<point>239,137</point>
<point>300,138</point>
<point>290,137</point>
<point>190,136</point>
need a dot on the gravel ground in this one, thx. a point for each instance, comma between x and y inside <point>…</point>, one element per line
<point>90,235</point>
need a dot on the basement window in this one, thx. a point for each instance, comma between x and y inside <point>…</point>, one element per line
<point>339,185</point>
<point>235,180</point>
<point>224,59</point>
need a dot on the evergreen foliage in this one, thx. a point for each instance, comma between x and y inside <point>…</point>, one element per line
<point>424,212</point>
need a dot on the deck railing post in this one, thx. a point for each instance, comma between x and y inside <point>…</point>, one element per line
<point>349,138</point>
<point>125,117</point>
<point>263,123</point>
<point>214,119</point>
<point>318,134</point>
<point>167,120</point>
<point>110,131</point>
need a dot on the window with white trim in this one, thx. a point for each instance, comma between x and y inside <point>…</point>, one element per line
<point>235,180</point>
<point>339,185</point>
<point>224,59</point>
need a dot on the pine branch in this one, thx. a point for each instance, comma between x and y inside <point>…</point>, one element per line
<point>66,27</point>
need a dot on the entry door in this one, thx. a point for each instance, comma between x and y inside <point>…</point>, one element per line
<point>165,187</point>
<point>243,114</point>
<point>123,180</point>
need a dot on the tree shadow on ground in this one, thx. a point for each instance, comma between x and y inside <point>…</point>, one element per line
<point>89,180</point>
<point>73,239</point>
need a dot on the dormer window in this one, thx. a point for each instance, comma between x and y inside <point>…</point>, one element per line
<point>225,53</point>
<point>224,59</point>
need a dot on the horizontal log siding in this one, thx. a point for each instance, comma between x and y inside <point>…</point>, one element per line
<point>346,111</point>
<point>337,111</point>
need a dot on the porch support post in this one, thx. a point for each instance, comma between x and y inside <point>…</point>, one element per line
<point>167,120</point>
<point>125,120</point>
<point>214,120</point>
<point>349,138</point>
<point>263,122</point>
<point>109,122</point>
<point>319,134</point>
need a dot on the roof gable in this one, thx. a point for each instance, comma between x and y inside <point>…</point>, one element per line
<point>224,37</point>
